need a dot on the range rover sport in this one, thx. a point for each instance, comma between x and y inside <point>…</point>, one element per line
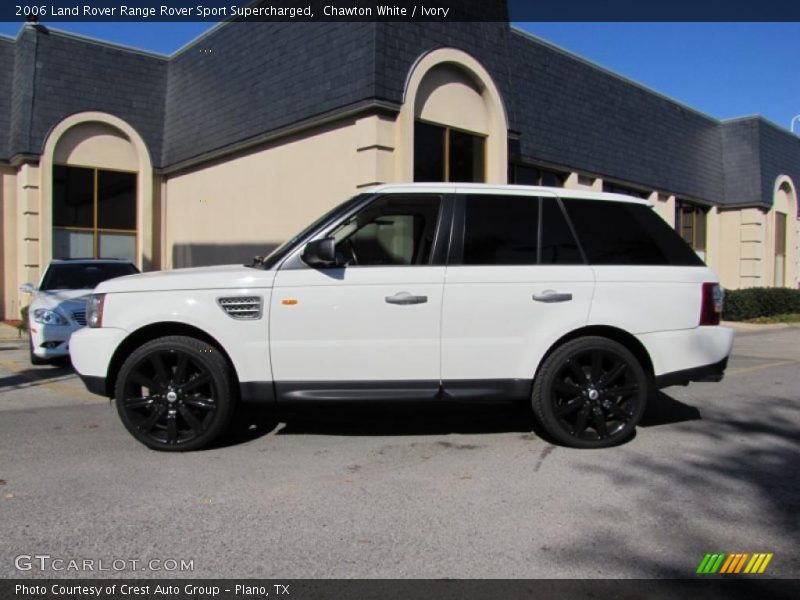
<point>581,303</point>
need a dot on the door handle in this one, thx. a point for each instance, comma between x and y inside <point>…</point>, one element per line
<point>552,296</point>
<point>404,298</point>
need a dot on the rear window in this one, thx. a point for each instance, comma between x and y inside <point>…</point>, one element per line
<point>66,276</point>
<point>621,233</point>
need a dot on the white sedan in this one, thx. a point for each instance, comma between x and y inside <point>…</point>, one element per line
<point>58,305</point>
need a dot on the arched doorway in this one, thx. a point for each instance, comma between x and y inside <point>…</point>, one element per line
<point>452,126</point>
<point>783,225</point>
<point>96,191</point>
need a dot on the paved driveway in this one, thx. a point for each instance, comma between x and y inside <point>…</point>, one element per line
<point>411,492</point>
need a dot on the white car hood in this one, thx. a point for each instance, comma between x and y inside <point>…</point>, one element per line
<point>198,278</point>
<point>65,299</point>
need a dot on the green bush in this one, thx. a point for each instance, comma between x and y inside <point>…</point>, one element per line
<point>751,303</point>
<point>23,315</point>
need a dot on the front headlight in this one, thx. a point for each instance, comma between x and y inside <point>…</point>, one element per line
<point>94,310</point>
<point>46,316</point>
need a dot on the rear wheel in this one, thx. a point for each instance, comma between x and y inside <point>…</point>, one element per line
<point>175,393</point>
<point>590,393</point>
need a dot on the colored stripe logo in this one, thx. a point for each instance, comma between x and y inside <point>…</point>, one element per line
<point>734,563</point>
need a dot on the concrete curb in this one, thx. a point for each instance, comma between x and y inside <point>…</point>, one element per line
<point>759,326</point>
<point>7,332</point>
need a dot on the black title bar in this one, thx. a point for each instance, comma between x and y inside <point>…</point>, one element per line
<point>399,10</point>
<point>397,589</point>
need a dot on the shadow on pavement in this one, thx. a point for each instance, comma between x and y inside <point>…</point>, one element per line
<point>737,474</point>
<point>663,409</point>
<point>382,420</point>
<point>34,376</point>
<point>407,419</point>
<point>418,418</point>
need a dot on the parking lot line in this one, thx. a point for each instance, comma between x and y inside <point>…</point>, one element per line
<point>771,365</point>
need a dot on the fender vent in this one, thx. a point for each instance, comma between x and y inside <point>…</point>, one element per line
<point>241,307</point>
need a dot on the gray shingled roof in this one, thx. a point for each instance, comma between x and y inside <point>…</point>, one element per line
<point>245,79</point>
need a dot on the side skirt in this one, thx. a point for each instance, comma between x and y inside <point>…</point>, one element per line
<point>471,390</point>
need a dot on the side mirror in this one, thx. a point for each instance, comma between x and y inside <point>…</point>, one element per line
<point>320,253</point>
<point>27,288</point>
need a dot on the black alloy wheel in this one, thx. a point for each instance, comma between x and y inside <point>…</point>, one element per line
<point>590,393</point>
<point>174,393</point>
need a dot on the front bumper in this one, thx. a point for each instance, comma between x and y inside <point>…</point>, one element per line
<point>91,350</point>
<point>51,341</point>
<point>96,385</point>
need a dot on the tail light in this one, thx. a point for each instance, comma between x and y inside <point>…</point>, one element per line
<point>711,304</point>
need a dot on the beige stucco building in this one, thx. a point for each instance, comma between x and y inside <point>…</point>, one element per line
<point>226,148</point>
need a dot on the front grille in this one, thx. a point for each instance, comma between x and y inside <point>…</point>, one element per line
<point>241,307</point>
<point>80,317</point>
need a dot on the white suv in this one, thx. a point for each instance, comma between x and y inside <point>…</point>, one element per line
<point>581,303</point>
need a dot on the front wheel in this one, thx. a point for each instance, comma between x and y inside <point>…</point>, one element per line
<point>590,393</point>
<point>175,393</point>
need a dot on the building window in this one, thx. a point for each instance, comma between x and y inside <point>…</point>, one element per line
<point>94,213</point>
<point>586,181</point>
<point>780,249</point>
<point>613,188</point>
<point>447,154</point>
<point>527,175</point>
<point>690,222</point>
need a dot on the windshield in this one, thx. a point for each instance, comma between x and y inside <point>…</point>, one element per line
<point>83,276</point>
<point>283,250</point>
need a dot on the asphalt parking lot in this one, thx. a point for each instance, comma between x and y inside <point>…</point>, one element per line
<point>410,492</point>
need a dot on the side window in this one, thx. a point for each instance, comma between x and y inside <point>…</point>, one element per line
<point>500,230</point>
<point>558,244</point>
<point>392,231</point>
<point>621,233</point>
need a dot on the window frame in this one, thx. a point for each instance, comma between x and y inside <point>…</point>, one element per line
<point>441,237</point>
<point>95,230</point>
<point>679,223</point>
<point>370,206</point>
<point>692,259</point>
<point>455,257</point>
<point>610,187</point>
<point>513,178</point>
<point>446,129</point>
<point>781,243</point>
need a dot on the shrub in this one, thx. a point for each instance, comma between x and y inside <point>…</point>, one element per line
<point>23,315</point>
<point>751,303</point>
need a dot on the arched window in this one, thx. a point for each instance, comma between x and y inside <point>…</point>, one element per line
<point>782,226</point>
<point>455,121</point>
<point>97,191</point>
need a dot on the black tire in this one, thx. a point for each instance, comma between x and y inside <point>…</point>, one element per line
<point>590,393</point>
<point>175,393</point>
<point>35,360</point>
